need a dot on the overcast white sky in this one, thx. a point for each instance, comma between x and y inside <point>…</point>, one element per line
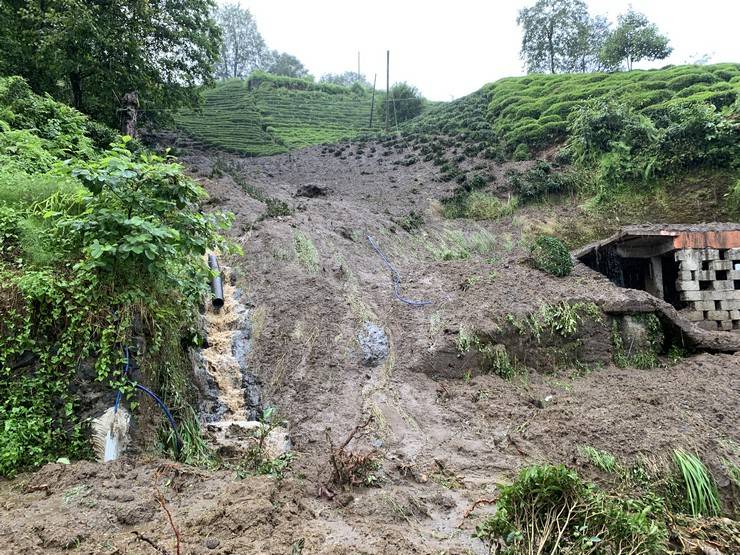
<point>451,48</point>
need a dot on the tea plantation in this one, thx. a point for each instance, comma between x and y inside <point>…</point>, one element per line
<point>533,110</point>
<point>268,115</point>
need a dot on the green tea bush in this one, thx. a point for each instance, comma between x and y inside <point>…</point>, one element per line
<point>630,147</point>
<point>539,181</point>
<point>521,152</point>
<point>550,255</point>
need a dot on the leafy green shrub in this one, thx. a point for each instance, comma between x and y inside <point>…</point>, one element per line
<point>521,152</point>
<point>78,265</point>
<point>550,255</point>
<point>538,181</point>
<point>550,509</point>
<point>101,135</point>
<point>597,125</point>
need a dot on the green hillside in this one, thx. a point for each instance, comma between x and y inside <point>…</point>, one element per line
<point>268,115</point>
<point>533,110</point>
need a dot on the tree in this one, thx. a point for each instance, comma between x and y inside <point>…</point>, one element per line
<point>282,63</point>
<point>404,102</point>
<point>346,79</point>
<point>585,50</point>
<point>243,49</point>
<point>634,39</point>
<point>551,32</point>
<point>93,52</point>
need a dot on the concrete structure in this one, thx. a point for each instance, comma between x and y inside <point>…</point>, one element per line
<point>696,268</point>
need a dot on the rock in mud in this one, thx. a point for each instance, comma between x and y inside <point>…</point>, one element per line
<point>311,191</point>
<point>374,344</point>
<point>237,435</point>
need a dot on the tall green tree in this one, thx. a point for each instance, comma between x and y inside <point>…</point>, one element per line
<point>90,53</point>
<point>403,102</point>
<point>584,52</point>
<point>346,79</point>
<point>550,33</point>
<point>282,63</point>
<point>634,39</point>
<point>243,49</point>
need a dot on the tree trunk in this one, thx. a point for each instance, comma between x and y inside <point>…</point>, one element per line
<point>551,50</point>
<point>75,81</point>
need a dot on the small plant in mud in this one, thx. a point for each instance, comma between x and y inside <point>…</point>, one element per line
<point>645,356</point>
<point>305,252</point>
<point>561,319</point>
<point>550,255</point>
<point>412,221</point>
<point>550,509</point>
<point>603,460</point>
<point>351,468</point>
<point>257,459</point>
<point>494,358</point>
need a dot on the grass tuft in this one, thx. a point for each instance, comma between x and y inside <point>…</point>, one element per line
<point>702,498</point>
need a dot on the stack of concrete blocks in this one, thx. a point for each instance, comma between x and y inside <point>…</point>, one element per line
<point>709,283</point>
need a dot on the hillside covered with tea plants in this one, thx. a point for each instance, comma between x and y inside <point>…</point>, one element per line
<point>268,114</point>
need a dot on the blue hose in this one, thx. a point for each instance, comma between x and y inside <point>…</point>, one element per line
<point>165,410</point>
<point>395,276</point>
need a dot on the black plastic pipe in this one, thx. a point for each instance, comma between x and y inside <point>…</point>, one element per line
<point>217,285</point>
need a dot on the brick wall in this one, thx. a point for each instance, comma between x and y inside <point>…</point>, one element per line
<point>709,283</point>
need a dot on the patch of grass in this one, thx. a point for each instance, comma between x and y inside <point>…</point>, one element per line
<point>458,245</point>
<point>478,205</point>
<point>305,252</point>
<point>603,460</point>
<point>702,498</point>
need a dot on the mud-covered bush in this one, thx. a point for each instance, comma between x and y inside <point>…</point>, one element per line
<point>550,255</point>
<point>550,509</point>
<point>538,181</point>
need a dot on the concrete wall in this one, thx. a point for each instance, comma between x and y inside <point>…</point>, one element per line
<point>709,283</point>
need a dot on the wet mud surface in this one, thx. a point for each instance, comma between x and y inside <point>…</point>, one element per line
<point>330,345</point>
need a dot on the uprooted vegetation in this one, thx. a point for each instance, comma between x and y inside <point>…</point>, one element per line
<point>552,509</point>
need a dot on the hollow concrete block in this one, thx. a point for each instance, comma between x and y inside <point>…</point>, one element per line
<point>687,285</point>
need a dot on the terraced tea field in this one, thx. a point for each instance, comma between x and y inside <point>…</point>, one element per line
<point>533,110</point>
<point>270,119</point>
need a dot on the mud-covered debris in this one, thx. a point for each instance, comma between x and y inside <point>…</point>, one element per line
<point>311,191</point>
<point>238,436</point>
<point>374,344</point>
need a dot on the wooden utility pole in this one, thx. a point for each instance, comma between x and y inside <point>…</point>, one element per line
<point>372,102</point>
<point>387,85</point>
